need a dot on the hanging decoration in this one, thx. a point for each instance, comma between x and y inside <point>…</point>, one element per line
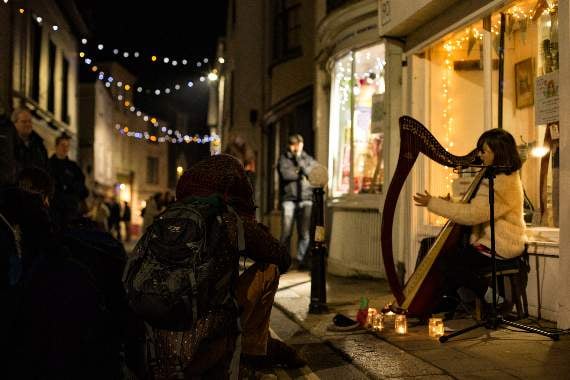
<point>124,130</point>
<point>171,88</point>
<point>152,58</point>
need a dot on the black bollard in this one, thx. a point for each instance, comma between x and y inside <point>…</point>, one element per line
<point>319,255</point>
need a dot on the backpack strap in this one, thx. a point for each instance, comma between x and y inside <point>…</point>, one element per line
<point>152,359</point>
<point>15,233</point>
<point>240,229</point>
<point>194,306</point>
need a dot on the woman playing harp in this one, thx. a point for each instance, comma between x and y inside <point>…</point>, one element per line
<point>495,147</point>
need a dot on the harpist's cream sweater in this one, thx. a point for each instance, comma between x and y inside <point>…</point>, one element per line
<point>509,222</point>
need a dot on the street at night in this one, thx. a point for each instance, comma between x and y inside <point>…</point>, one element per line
<point>284,189</point>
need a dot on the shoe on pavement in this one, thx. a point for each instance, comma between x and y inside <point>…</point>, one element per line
<point>281,354</point>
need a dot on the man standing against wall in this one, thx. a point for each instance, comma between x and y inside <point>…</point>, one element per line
<point>296,197</point>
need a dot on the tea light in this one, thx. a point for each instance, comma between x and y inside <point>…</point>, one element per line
<point>401,324</point>
<point>378,322</point>
<point>372,312</point>
<point>435,327</point>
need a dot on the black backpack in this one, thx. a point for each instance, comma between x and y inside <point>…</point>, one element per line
<point>185,265</point>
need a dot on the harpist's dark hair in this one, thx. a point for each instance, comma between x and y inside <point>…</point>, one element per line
<point>504,147</point>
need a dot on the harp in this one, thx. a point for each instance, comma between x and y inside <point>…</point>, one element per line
<point>417,296</point>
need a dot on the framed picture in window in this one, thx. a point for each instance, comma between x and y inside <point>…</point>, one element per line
<point>524,83</point>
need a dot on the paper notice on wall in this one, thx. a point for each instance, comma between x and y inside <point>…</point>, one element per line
<point>377,122</point>
<point>546,105</point>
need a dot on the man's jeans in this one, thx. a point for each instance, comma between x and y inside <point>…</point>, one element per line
<point>299,212</point>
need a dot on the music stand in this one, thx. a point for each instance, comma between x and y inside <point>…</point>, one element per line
<point>494,319</point>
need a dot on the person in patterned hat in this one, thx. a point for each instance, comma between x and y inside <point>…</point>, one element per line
<point>225,175</point>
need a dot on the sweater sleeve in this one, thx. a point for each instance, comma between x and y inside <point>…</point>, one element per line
<point>477,211</point>
<point>262,247</point>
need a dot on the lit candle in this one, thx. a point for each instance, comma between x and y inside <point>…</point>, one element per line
<point>372,312</point>
<point>401,324</point>
<point>378,322</point>
<point>435,327</point>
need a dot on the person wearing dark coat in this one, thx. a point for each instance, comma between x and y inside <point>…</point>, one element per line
<point>29,150</point>
<point>126,218</point>
<point>7,151</point>
<point>296,196</point>
<point>70,190</point>
<point>66,311</point>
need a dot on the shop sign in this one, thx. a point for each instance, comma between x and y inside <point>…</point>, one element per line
<point>546,99</point>
<point>385,12</point>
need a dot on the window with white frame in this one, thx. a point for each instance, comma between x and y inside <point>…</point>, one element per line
<point>463,76</point>
<point>356,122</point>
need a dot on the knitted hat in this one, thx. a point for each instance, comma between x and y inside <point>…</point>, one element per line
<point>221,174</point>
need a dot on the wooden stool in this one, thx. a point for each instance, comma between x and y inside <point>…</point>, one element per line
<point>516,271</point>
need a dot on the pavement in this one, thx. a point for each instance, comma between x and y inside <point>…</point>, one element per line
<point>502,353</point>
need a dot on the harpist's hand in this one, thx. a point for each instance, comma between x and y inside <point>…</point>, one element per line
<point>422,200</point>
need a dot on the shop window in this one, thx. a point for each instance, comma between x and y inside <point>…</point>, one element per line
<point>36,41</point>
<point>65,91</point>
<point>51,80</point>
<point>287,29</point>
<point>356,125</point>
<point>464,97</point>
<point>152,170</point>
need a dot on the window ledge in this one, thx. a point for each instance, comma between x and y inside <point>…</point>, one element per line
<point>357,202</point>
<point>543,235</point>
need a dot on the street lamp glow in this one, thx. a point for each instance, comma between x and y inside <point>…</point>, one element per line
<point>100,46</point>
<point>212,76</point>
<point>115,51</point>
<point>55,28</point>
<point>179,170</point>
<point>190,84</point>
<point>221,60</point>
<point>84,41</point>
<point>202,78</point>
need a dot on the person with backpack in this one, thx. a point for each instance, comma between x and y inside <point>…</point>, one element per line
<point>193,329</point>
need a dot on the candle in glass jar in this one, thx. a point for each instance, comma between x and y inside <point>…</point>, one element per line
<point>435,327</point>
<point>378,322</point>
<point>401,324</point>
<point>372,312</point>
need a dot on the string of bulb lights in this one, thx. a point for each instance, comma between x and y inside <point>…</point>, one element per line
<point>152,58</point>
<point>174,136</point>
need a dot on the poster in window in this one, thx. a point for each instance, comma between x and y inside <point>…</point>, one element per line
<point>377,123</point>
<point>524,83</point>
<point>546,95</point>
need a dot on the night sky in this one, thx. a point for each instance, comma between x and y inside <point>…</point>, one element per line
<point>176,29</point>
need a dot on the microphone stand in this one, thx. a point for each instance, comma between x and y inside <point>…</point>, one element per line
<point>495,319</point>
